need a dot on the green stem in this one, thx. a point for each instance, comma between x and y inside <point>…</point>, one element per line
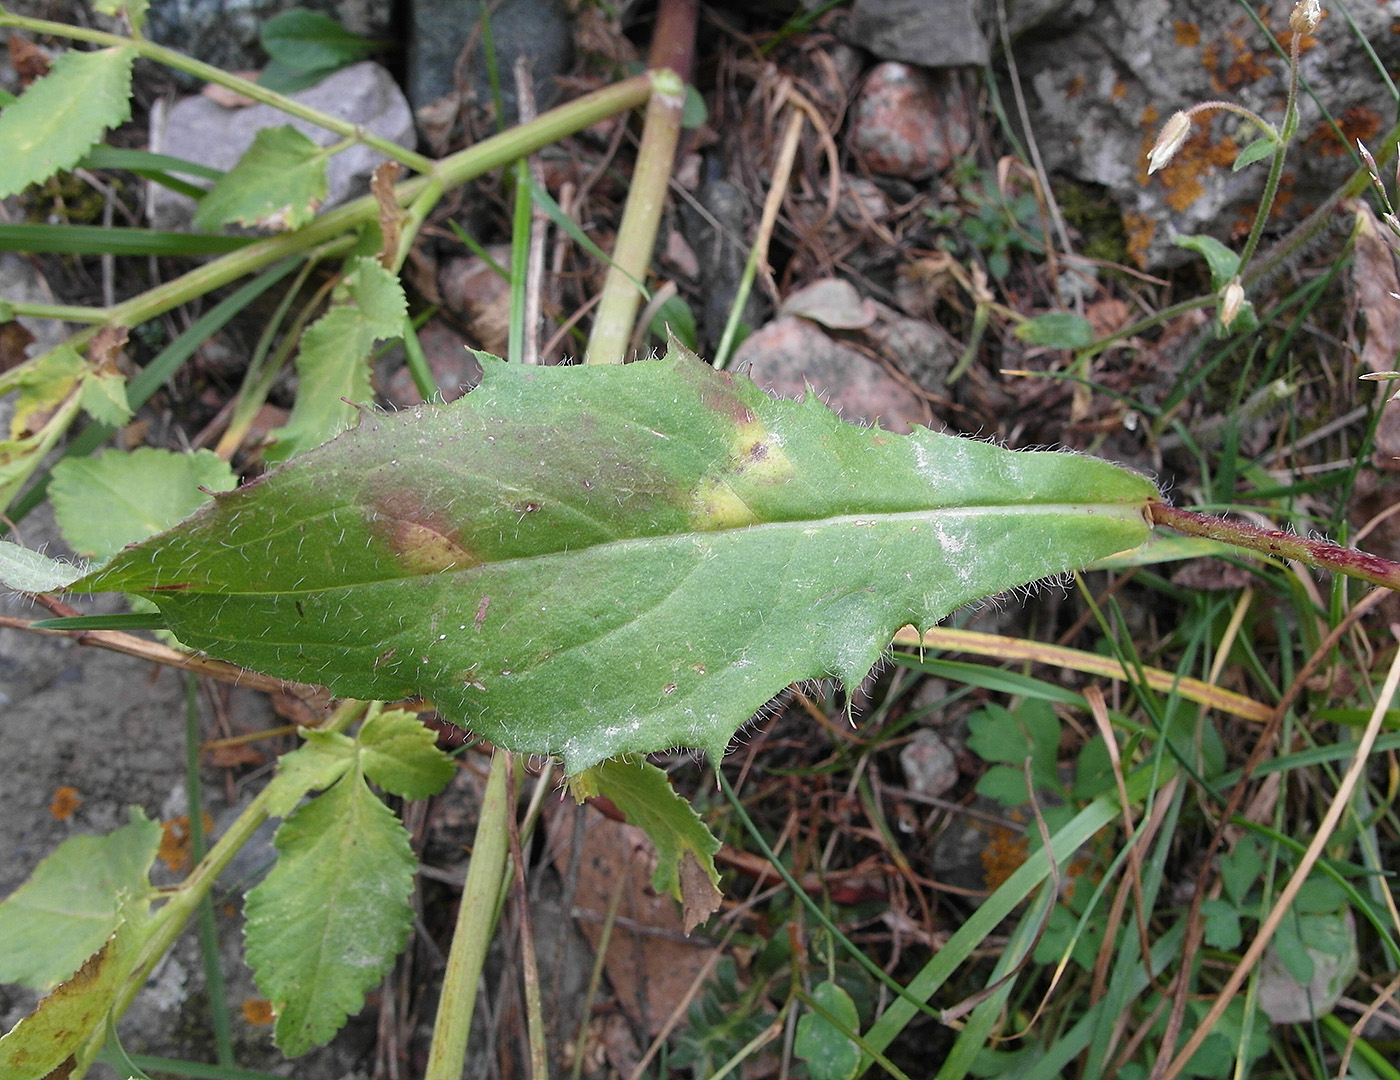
<point>472,937</point>
<point>180,62</point>
<point>636,236</point>
<point>207,925</point>
<point>66,312</point>
<point>1319,553</point>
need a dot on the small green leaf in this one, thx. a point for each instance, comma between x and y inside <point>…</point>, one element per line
<point>29,571</point>
<point>1292,950</point>
<point>61,115</point>
<point>693,112</point>
<point>104,398</point>
<point>135,10</point>
<point>675,317</point>
<point>117,498</point>
<point>333,364</point>
<point>1260,148</point>
<point>1224,264</point>
<point>644,794</point>
<point>6,98</point>
<point>1240,869</point>
<point>311,41</point>
<point>315,766</point>
<point>1320,896</point>
<point>43,386</point>
<point>279,183</point>
<point>400,755</point>
<point>1222,924</point>
<point>830,1054</point>
<point>74,901</point>
<point>1057,330</point>
<point>46,1041</point>
<point>330,917</point>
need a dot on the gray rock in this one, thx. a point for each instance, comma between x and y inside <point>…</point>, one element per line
<point>713,237</point>
<point>931,33</point>
<point>789,353</point>
<point>1099,94</point>
<point>198,129</point>
<point>225,32</point>
<point>929,763</point>
<point>21,283</point>
<point>441,29</point>
<point>908,122</point>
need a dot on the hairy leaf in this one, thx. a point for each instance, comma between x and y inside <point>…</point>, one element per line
<point>74,901</point>
<point>333,363</point>
<point>280,182</point>
<point>61,115</point>
<point>320,762</point>
<point>34,572</point>
<point>105,502</point>
<point>595,561</point>
<point>103,397</point>
<point>327,922</point>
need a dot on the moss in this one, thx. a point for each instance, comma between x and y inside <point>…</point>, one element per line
<point>1092,211</point>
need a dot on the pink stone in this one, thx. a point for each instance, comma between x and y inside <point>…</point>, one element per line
<point>909,122</point>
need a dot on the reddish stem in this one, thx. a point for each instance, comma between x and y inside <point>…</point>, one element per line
<point>1320,553</point>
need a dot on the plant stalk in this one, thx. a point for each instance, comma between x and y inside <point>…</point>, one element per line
<point>1319,553</point>
<point>199,70</point>
<point>636,236</point>
<point>472,937</point>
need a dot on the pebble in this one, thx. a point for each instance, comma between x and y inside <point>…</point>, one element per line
<point>910,123</point>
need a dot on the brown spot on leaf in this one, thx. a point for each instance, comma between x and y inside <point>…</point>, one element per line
<point>699,897</point>
<point>422,541</point>
<point>258,1011</point>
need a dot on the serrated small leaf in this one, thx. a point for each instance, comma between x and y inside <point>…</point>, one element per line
<point>333,364</point>
<point>329,918</point>
<point>135,9</point>
<point>594,561</point>
<point>400,754</point>
<point>1224,264</point>
<point>644,794</point>
<point>1260,148</point>
<point>315,766</point>
<point>312,41</point>
<point>43,386</point>
<point>104,398</point>
<point>33,572</point>
<point>279,183</point>
<point>117,498</point>
<point>829,1053</point>
<point>46,1042</point>
<point>74,901</point>
<point>1057,330</point>
<point>60,116</point>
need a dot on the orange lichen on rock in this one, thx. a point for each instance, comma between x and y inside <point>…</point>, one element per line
<point>174,848</point>
<point>1182,175</point>
<point>1119,91</point>
<point>65,801</point>
<point>258,1011</point>
<point>1140,229</point>
<point>1188,34</point>
<point>1358,122</point>
<point>1003,856</point>
<point>1074,87</point>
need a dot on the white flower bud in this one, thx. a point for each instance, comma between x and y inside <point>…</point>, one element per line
<point>1305,16</point>
<point>1173,134</point>
<point>1231,300</point>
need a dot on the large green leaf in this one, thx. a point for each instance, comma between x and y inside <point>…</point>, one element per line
<point>61,115</point>
<point>73,902</point>
<point>594,561</point>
